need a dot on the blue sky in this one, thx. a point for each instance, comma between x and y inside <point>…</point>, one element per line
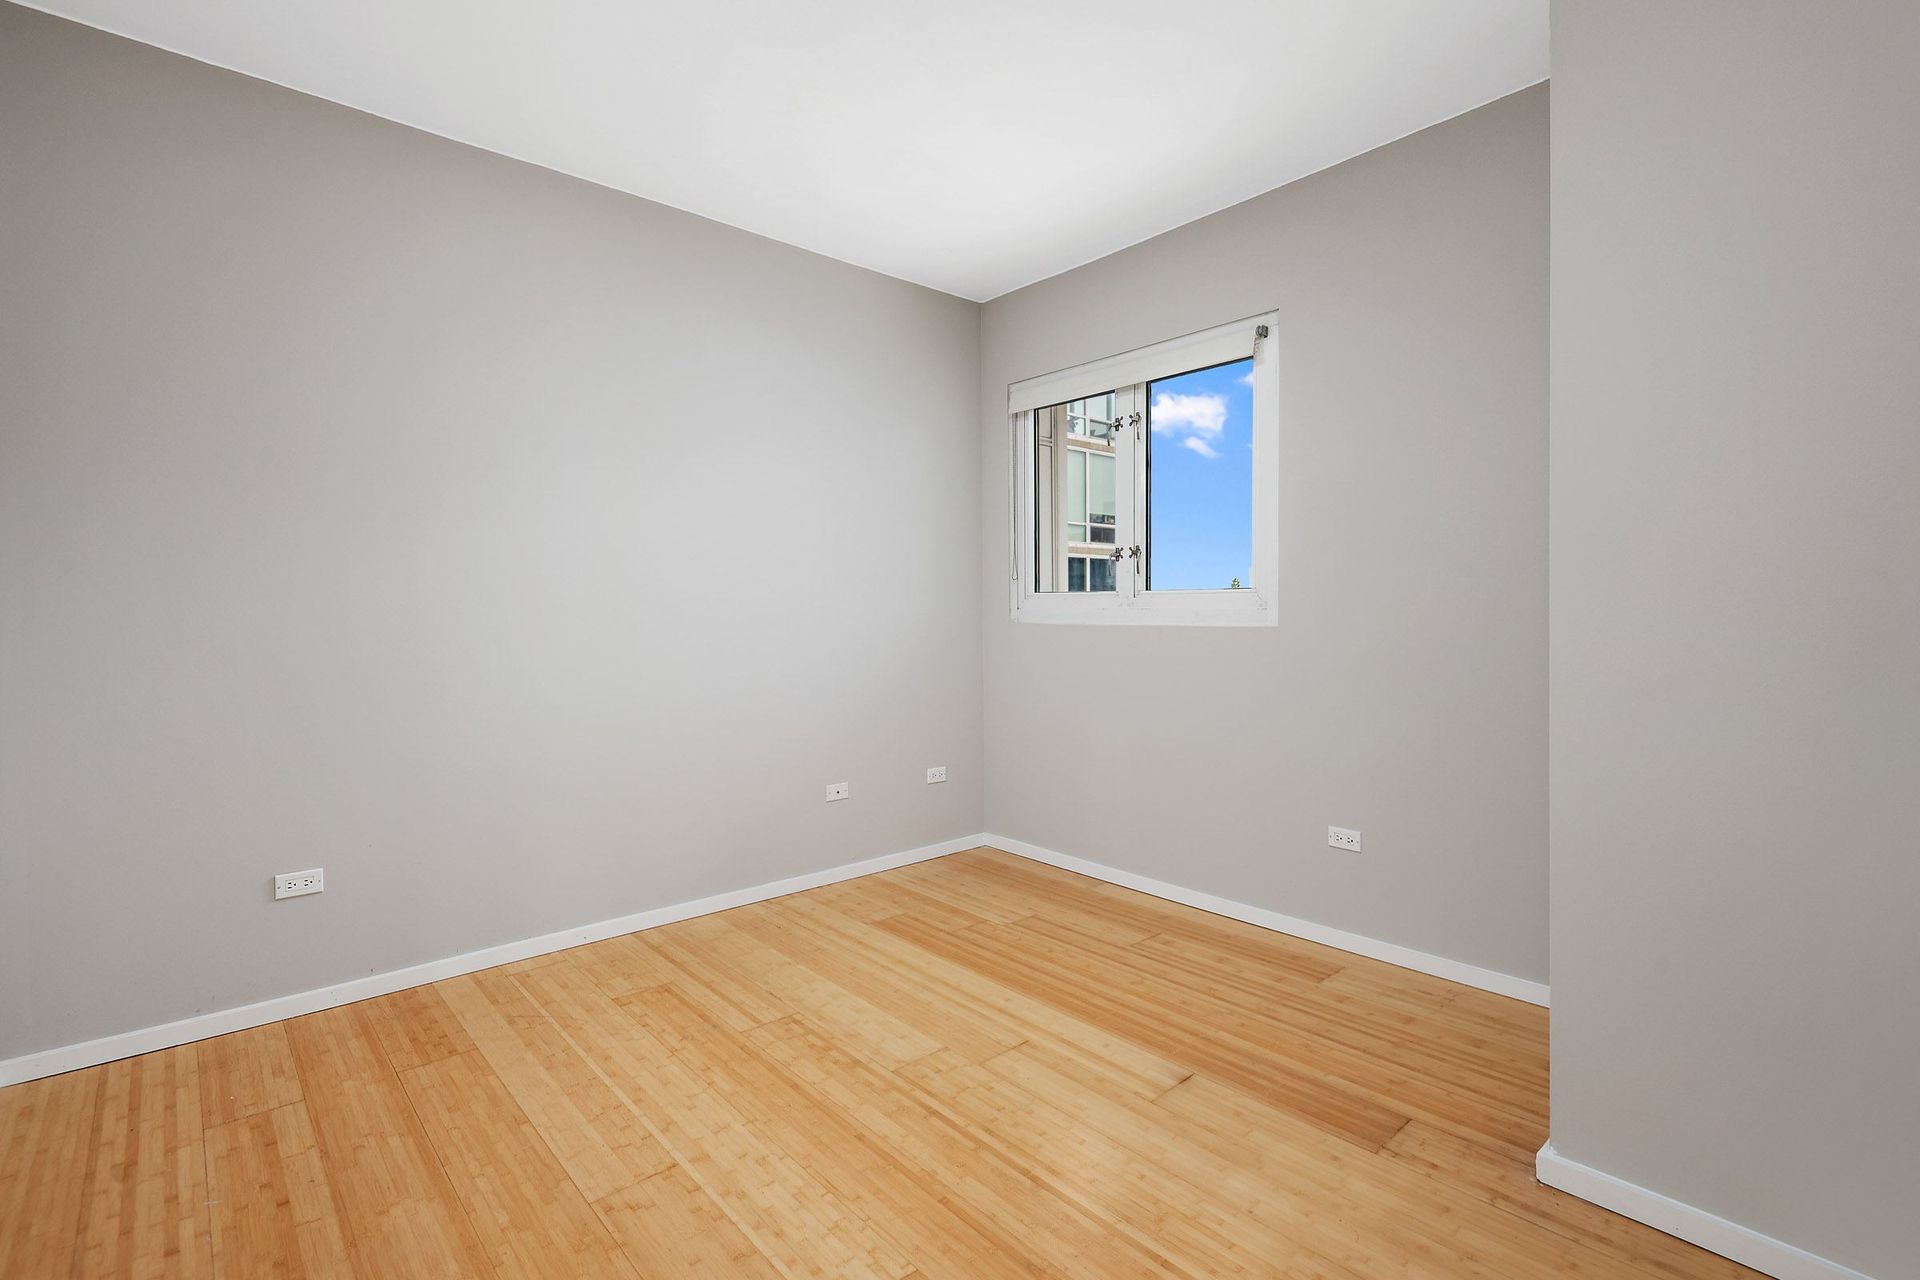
<point>1200,478</point>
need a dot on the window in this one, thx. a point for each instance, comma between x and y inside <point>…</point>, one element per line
<point>1145,484</point>
<point>1090,573</point>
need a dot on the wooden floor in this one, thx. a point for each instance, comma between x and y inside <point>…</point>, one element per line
<point>975,1067</point>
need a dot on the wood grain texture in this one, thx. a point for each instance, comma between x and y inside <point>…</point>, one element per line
<point>246,1073</point>
<point>977,1067</point>
<point>273,1211</point>
<point>527,1213</point>
<point>391,1197</point>
<point>670,1227</point>
<point>142,1204</point>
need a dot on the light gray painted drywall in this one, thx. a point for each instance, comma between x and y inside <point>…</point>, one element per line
<point>1736,612</point>
<point>1404,691</point>
<point>523,553</point>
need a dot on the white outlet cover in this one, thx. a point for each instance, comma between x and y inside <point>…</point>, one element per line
<point>297,884</point>
<point>836,791</point>
<point>1344,838</point>
<point>937,774</point>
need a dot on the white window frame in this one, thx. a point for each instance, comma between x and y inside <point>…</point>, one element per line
<point>1131,603</point>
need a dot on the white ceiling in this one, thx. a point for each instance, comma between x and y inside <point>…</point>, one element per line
<point>971,145</point>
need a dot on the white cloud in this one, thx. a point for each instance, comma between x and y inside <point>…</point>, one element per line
<point>1201,447</point>
<point>1246,379</point>
<point>1202,414</point>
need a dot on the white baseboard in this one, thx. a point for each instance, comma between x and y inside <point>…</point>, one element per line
<point>1696,1226</point>
<point>1406,957</point>
<point>50,1062</point>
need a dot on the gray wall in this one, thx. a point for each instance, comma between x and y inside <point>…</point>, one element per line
<point>1736,611</point>
<point>524,553</point>
<point>1404,691</point>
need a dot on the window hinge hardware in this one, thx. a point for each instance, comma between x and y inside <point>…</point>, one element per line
<point>1122,553</point>
<point>1259,332</point>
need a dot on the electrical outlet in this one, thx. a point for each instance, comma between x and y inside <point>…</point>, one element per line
<point>295,884</point>
<point>1341,838</point>
<point>937,774</point>
<point>836,791</point>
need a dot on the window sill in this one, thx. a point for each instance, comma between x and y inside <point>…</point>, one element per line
<point>1245,608</point>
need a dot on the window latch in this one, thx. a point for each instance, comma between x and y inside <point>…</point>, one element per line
<point>1122,553</point>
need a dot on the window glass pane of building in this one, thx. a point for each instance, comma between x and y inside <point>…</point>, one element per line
<point>1091,573</point>
<point>1092,417</point>
<point>1100,509</point>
